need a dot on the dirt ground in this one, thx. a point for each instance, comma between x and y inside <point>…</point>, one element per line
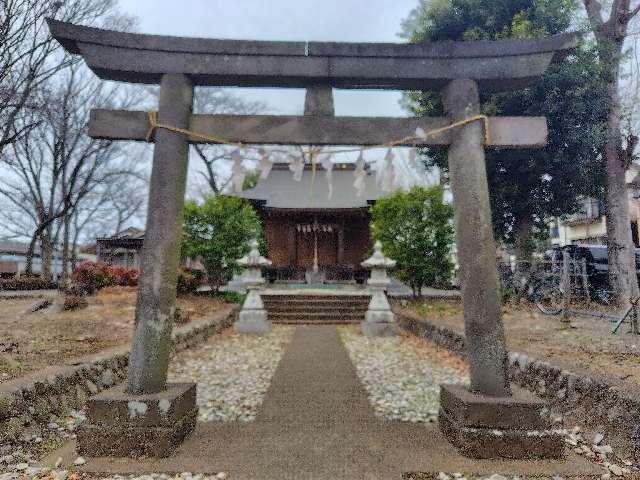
<point>588,343</point>
<point>32,341</point>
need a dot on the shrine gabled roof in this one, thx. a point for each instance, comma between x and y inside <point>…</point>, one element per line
<point>280,190</point>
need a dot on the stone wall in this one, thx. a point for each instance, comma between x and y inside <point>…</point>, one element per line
<point>27,403</point>
<point>600,401</point>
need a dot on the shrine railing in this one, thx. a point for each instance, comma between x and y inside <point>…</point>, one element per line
<point>331,274</point>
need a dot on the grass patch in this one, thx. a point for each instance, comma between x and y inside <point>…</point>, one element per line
<point>231,297</point>
<point>8,365</point>
<point>430,308</point>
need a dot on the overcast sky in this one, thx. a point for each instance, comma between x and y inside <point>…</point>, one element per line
<point>313,20</point>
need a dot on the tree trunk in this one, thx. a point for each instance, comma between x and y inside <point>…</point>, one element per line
<point>46,254</point>
<point>610,35</point>
<point>524,242</point>
<point>66,257</point>
<point>28,268</point>
<point>622,272</point>
<point>74,250</point>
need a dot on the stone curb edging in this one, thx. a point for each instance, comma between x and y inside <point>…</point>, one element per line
<point>27,403</point>
<point>601,400</point>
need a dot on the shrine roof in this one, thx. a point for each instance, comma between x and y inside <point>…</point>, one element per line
<point>280,190</point>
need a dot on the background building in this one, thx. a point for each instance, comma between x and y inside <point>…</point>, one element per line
<point>122,249</point>
<point>589,225</point>
<point>13,259</point>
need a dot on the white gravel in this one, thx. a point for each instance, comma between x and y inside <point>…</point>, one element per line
<point>233,373</point>
<point>402,385</point>
<point>18,461</point>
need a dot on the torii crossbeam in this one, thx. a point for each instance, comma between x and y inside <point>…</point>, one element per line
<point>458,69</point>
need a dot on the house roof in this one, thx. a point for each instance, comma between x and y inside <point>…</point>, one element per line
<point>16,248</point>
<point>10,247</point>
<point>280,190</point>
<point>126,234</point>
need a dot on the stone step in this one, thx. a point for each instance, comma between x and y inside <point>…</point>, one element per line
<point>316,322</point>
<point>295,317</point>
<point>316,308</point>
<point>268,301</point>
<point>317,298</point>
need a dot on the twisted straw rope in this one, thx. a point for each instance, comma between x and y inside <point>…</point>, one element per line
<point>154,124</point>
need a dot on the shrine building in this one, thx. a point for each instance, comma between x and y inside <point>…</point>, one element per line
<point>314,231</point>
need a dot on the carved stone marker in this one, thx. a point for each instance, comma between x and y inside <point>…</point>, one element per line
<point>461,67</point>
<point>253,317</point>
<point>379,319</point>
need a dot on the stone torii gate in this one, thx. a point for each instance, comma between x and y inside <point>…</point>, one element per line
<point>154,416</point>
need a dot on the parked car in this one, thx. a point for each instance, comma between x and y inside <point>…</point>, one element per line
<point>597,263</point>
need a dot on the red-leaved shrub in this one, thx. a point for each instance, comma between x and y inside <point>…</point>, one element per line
<point>124,276</point>
<point>89,277</point>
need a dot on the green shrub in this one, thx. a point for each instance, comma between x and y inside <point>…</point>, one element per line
<point>415,228</point>
<point>232,297</point>
<point>217,232</point>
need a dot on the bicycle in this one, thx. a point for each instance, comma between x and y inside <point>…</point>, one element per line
<point>540,287</point>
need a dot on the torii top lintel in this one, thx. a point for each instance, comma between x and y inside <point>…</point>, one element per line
<point>495,65</point>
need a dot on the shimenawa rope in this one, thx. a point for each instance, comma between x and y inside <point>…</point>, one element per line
<point>154,124</point>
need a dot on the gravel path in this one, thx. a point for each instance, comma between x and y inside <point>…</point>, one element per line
<point>233,373</point>
<point>402,378</point>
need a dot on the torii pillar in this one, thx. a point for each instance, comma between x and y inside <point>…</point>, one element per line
<point>487,420</point>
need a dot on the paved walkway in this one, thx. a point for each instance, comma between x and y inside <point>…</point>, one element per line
<point>316,423</point>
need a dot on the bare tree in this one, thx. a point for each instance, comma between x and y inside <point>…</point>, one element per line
<point>55,166</point>
<point>221,101</point>
<point>28,56</point>
<point>610,25</point>
<point>108,209</point>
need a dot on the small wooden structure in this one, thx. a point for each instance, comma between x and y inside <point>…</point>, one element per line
<point>122,249</point>
<point>306,227</point>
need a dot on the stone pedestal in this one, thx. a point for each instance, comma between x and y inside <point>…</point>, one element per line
<point>253,317</point>
<point>379,319</point>
<point>150,425</point>
<point>487,427</point>
<point>314,276</point>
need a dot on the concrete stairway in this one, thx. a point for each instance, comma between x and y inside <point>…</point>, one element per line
<point>316,309</point>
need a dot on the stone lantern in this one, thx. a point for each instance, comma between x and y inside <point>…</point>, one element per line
<point>379,320</point>
<point>253,316</point>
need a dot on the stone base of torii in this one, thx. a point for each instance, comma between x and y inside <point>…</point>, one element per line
<point>150,417</point>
